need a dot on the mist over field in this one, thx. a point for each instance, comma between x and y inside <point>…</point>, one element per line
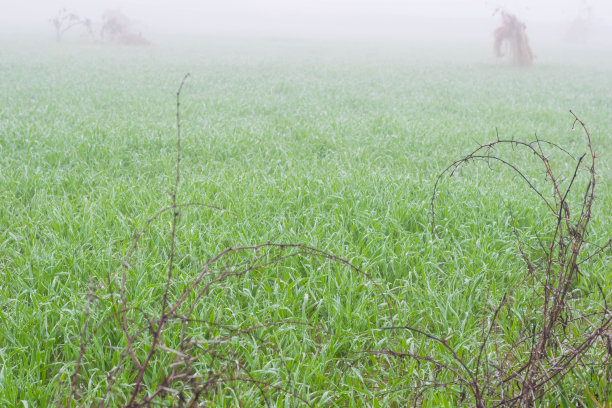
<point>323,203</point>
<point>444,20</point>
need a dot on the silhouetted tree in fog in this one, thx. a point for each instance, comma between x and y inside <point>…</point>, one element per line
<point>65,20</point>
<point>513,35</point>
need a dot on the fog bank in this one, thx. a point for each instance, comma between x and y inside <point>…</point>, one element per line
<point>338,18</point>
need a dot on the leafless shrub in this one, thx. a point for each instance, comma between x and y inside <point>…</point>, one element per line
<point>557,336</point>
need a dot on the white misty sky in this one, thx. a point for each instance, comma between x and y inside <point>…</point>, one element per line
<point>305,14</point>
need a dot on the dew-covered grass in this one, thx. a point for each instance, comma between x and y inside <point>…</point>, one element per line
<point>333,145</point>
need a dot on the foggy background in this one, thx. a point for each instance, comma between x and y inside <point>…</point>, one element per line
<point>442,19</point>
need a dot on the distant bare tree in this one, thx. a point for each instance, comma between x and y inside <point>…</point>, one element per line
<point>118,28</point>
<point>65,20</point>
<point>578,30</point>
<point>512,32</point>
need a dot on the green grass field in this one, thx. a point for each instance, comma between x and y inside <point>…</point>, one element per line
<point>331,145</point>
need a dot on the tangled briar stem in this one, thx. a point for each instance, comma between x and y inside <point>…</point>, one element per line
<point>175,214</point>
<point>519,378</point>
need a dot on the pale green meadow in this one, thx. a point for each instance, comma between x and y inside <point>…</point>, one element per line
<point>334,145</point>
